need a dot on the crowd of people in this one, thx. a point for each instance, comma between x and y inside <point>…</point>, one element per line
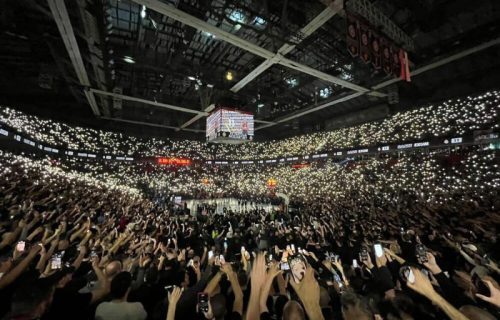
<point>412,235</point>
<point>452,117</point>
<point>408,237</point>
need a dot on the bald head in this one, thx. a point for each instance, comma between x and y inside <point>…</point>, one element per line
<point>293,311</point>
<point>113,268</point>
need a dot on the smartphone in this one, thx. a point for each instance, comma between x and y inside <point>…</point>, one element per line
<point>21,245</point>
<point>242,249</point>
<point>379,251</point>
<point>337,279</point>
<point>298,269</point>
<point>269,258</point>
<point>93,254</point>
<point>55,262</point>
<point>411,276</point>
<point>284,266</point>
<point>169,288</point>
<point>225,245</point>
<point>363,255</point>
<point>190,263</point>
<point>203,301</point>
<point>355,263</point>
<point>421,253</point>
<point>406,273</point>
<point>210,254</point>
<point>293,248</point>
<point>222,260</point>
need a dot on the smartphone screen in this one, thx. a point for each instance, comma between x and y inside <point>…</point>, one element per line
<point>203,301</point>
<point>284,266</point>
<point>355,263</point>
<point>379,251</point>
<point>411,276</point>
<point>55,263</point>
<point>222,260</point>
<point>20,246</point>
<point>210,254</point>
<point>298,268</point>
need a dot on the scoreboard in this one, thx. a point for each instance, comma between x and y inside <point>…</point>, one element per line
<point>230,126</point>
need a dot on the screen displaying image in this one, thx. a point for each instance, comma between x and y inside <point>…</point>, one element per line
<point>231,124</point>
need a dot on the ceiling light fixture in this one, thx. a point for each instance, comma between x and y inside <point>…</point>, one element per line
<point>192,78</point>
<point>143,12</point>
<point>292,82</point>
<point>128,59</point>
<point>229,76</point>
<point>237,16</point>
<point>260,105</point>
<point>325,92</point>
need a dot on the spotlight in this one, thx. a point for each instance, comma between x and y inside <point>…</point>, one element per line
<point>229,76</point>
<point>128,59</point>
<point>143,12</point>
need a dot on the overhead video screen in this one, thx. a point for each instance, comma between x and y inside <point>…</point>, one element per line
<point>230,125</point>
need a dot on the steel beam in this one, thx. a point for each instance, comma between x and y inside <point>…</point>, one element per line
<point>153,103</point>
<point>199,24</point>
<point>149,124</point>
<point>61,17</point>
<point>331,10</point>
<point>381,85</point>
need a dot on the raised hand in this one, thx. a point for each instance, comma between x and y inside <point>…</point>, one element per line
<point>422,284</point>
<point>175,295</point>
<point>431,264</point>
<point>308,292</point>
<point>494,297</point>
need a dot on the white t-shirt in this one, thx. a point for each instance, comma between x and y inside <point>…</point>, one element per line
<point>120,310</point>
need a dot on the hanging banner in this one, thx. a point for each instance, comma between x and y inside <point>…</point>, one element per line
<point>396,64</point>
<point>386,55</point>
<point>352,36</point>
<point>375,48</point>
<point>405,67</point>
<point>365,45</point>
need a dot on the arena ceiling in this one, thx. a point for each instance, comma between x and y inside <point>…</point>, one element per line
<point>158,67</point>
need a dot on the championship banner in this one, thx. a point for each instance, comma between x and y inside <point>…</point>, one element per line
<point>386,55</point>
<point>365,45</point>
<point>405,66</point>
<point>376,54</point>
<point>352,35</point>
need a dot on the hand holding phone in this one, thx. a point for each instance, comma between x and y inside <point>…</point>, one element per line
<point>21,246</point>
<point>379,251</point>
<point>203,301</point>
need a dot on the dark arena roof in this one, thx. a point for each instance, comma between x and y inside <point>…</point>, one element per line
<point>157,67</point>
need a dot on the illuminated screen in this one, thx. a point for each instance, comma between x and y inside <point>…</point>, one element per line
<point>230,124</point>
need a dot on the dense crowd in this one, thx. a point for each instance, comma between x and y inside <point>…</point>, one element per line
<point>465,174</point>
<point>409,237</point>
<point>452,117</point>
